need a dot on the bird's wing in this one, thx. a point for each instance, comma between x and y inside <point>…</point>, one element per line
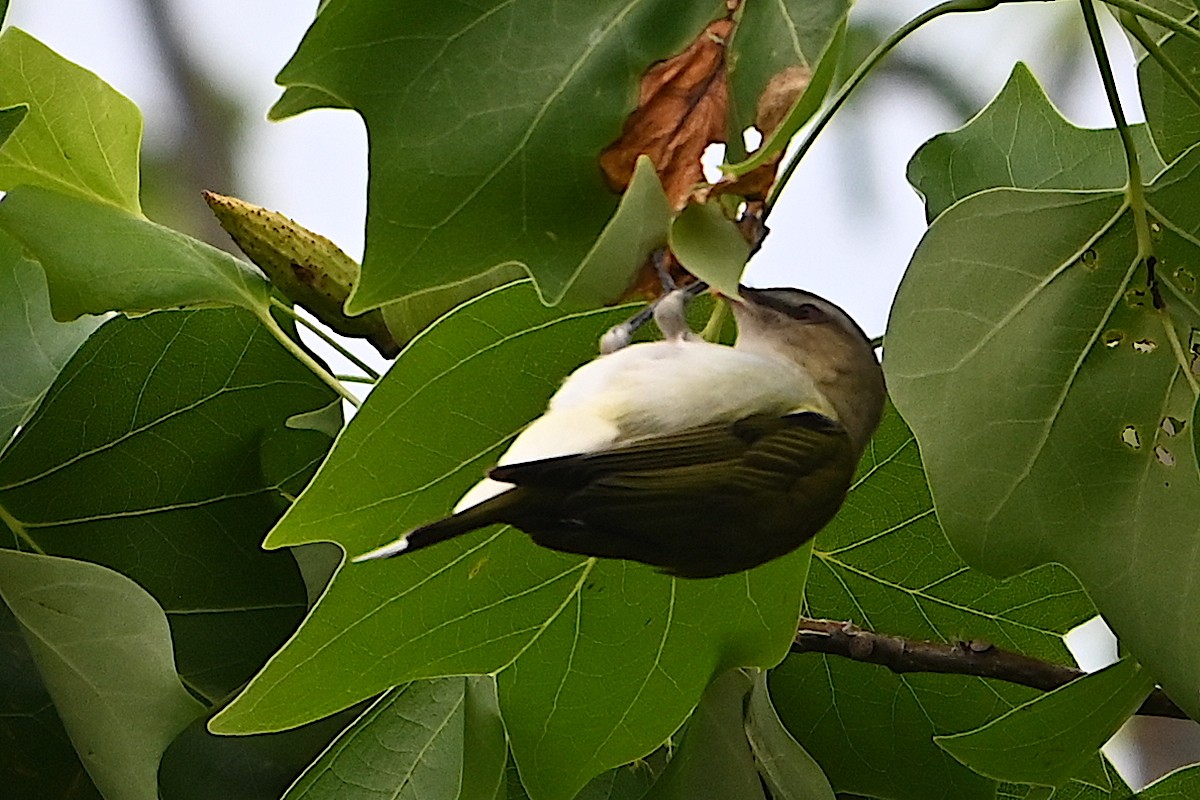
<point>708,500</point>
<point>799,438</point>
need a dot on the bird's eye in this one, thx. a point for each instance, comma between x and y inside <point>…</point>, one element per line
<point>808,312</point>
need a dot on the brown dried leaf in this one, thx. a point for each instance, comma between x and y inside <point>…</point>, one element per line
<point>682,108</point>
<point>777,99</point>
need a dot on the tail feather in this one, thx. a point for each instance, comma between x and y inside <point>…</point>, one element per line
<point>489,512</point>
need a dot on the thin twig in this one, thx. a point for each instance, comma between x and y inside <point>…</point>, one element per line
<point>304,358</point>
<point>1134,26</point>
<point>1160,18</point>
<point>327,339</point>
<point>977,658</point>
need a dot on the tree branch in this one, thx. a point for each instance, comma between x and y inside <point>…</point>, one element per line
<point>977,658</point>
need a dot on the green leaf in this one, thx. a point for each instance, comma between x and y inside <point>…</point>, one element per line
<point>599,661</point>
<point>885,563</point>
<point>80,136</point>
<point>99,258</point>
<point>529,191</point>
<point>201,766</point>
<point>1041,404</point>
<point>160,451</point>
<point>440,739</point>
<point>1052,737</point>
<point>35,347</point>
<point>828,26</point>
<point>103,648</point>
<point>1182,784</point>
<point>1098,781</point>
<point>639,226</point>
<point>1021,141</point>
<point>1171,113</point>
<point>71,171</point>
<point>485,744</point>
<point>629,782</point>
<point>710,246</point>
<point>10,118</point>
<point>787,769</point>
<point>38,759</point>
<point>769,38</point>
<point>714,758</point>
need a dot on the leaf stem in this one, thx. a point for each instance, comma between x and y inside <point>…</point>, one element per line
<point>325,337</point>
<point>1155,16</point>
<point>18,528</point>
<point>355,379</point>
<point>302,355</point>
<point>1134,191</point>
<point>716,321</point>
<point>839,99</point>
<point>1134,26</point>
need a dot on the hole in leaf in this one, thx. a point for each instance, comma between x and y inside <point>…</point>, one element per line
<point>1129,436</point>
<point>1089,259</point>
<point>1164,456</point>
<point>710,161</point>
<point>1155,229</point>
<point>1135,298</point>
<point>752,138</point>
<point>1145,346</point>
<point>1112,338</point>
<point>1185,279</point>
<point>1172,426</point>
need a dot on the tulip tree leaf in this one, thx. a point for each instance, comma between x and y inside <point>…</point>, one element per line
<point>483,205</point>
<point>1005,145</point>
<point>598,661</point>
<point>786,768</point>
<point>1042,404</point>
<point>1052,737</point>
<point>713,758</point>
<point>38,758</point>
<point>79,136</point>
<point>35,347</point>
<point>95,635</point>
<point>710,246</point>
<point>446,203</point>
<point>201,766</point>
<point>884,563</point>
<point>640,224</point>
<point>99,258</point>
<point>161,451</point>
<point>436,738</point>
<point>70,169</point>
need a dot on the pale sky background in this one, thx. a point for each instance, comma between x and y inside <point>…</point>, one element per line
<point>845,228</point>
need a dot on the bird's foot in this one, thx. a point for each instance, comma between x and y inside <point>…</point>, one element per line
<point>669,312</point>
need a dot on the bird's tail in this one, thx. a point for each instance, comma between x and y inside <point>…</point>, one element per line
<point>489,512</point>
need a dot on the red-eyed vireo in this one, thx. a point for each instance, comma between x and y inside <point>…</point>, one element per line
<point>698,458</point>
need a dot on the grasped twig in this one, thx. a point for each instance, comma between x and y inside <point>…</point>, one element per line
<point>977,658</point>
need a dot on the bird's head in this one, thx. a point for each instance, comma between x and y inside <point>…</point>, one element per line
<point>825,342</point>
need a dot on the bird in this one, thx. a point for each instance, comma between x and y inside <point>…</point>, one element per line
<point>697,458</point>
